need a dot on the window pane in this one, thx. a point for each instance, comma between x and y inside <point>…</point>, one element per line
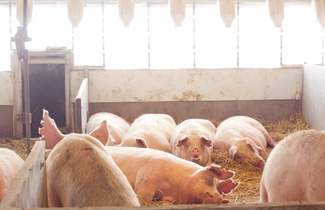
<point>49,26</point>
<point>302,35</point>
<point>259,40</point>
<point>88,37</point>
<point>215,45</point>
<point>126,47</point>
<point>170,46</point>
<point>4,38</point>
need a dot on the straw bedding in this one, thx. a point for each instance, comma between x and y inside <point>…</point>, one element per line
<point>248,176</point>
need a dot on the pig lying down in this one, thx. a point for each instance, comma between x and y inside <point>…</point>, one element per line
<point>150,131</point>
<point>160,176</point>
<point>81,173</point>
<point>116,127</point>
<point>243,138</point>
<point>10,164</point>
<point>192,140</point>
<point>295,169</point>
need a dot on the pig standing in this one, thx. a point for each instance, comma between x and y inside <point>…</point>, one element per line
<point>81,173</point>
<point>243,138</point>
<point>116,126</point>
<point>192,140</point>
<point>162,176</point>
<point>150,131</point>
<point>295,169</point>
<point>10,164</point>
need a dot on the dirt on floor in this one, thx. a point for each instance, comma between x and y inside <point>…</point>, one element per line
<point>249,176</point>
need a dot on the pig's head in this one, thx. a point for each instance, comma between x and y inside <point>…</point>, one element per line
<point>205,187</point>
<point>247,150</point>
<point>197,149</point>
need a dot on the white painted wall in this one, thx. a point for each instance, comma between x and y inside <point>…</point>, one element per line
<point>314,96</point>
<point>180,85</point>
<point>194,85</point>
<point>6,88</point>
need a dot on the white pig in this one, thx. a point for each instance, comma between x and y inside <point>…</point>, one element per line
<point>10,164</point>
<point>243,138</point>
<point>150,131</point>
<point>192,140</point>
<point>295,169</point>
<point>161,176</point>
<point>81,173</point>
<point>116,126</point>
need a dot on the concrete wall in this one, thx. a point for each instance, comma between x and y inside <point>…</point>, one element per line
<point>271,94</point>
<point>6,102</point>
<point>314,96</point>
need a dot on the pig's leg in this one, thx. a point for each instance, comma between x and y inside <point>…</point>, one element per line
<point>50,132</point>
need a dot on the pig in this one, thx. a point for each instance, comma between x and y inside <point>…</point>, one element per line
<point>243,138</point>
<point>10,164</point>
<point>295,169</point>
<point>150,131</point>
<point>116,126</point>
<point>81,173</point>
<point>192,140</point>
<point>160,176</point>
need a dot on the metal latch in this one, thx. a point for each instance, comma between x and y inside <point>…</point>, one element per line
<point>21,118</point>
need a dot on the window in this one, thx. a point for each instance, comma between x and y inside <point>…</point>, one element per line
<point>152,41</point>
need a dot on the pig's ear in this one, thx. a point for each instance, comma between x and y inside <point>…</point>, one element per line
<point>142,142</point>
<point>101,133</point>
<point>221,174</point>
<point>226,186</point>
<point>207,142</point>
<point>182,141</point>
<point>232,151</point>
<point>260,150</point>
<point>111,140</point>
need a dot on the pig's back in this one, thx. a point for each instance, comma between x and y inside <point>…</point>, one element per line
<point>133,160</point>
<point>295,168</point>
<point>113,121</point>
<point>230,131</point>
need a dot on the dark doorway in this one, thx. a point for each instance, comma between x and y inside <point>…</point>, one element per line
<point>47,91</point>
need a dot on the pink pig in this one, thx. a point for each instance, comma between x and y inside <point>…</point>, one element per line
<point>243,138</point>
<point>161,176</point>
<point>116,126</point>
<point>295,169</point>
<point>192,140</point>
<point>10,164</point>
<point>150,131</point>
<point>81,173</point>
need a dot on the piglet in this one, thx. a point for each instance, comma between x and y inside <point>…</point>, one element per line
<point>243,138</point>
<point>150,131</point>
<point>10,164</point>
<point>116,127</point>
<point>295,169</point>
<point>160,176</point>
<point>81,173</point>
<point>192,140</point>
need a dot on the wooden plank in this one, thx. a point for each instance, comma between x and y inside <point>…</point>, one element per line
<point>28,190</point>
<point>81,109</point>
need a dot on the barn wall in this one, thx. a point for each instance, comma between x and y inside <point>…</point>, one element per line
<point>6,102</point>
<point>271,94</point>
<point>314,96</point>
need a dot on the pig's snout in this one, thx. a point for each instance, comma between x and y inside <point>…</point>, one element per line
<point>260,163</point>
<point>195,152</point>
